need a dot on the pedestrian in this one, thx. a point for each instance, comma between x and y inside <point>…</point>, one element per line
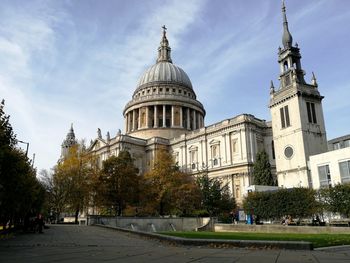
<point>40,223</point>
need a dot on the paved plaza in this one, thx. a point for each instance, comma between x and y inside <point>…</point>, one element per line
<point>70,243</point>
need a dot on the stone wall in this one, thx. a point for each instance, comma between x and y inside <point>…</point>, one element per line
<point>151,224</point>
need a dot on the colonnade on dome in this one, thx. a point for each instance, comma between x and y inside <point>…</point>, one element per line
<point>163,116</point>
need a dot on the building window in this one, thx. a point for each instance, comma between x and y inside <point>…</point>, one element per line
<point>311,113</point>
<point>346,143</point>
<point>193,159</point>
<point>215,154</point>
<point>176,158</point>
<point>344,168</point>
<point>336,146</point>
<point>285,122</point>
<point>238,191</point>
<point>273,150</point>
<point>324,175</point>
<point>234,148</point>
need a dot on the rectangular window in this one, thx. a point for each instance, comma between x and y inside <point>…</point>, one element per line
<point>215,154</point>
<point>324,175</point>
<point>193,155</point>
<point>234,149</point>
<point>285,121</point>
<point>346,143</point>
<point>286,113</point>
<point>344,169</point>
<point>336,145</point>
<point>311,112</point>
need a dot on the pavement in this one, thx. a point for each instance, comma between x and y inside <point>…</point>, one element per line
<point>71,243</point>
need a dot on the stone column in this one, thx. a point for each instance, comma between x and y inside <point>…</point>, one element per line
<point>188,119</point>
<point>155,116</point>
<point>172,116</point>
<point>139,119</point>
<point>126,123</point>
<point>147,117</point>
<point>181,121</point>
<point>164,108</point>
<point>133,120</point>
<point>194,120</point>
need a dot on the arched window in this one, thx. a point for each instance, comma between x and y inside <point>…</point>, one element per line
<point>285,65</point>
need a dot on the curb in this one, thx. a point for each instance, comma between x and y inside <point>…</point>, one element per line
<point>220,243</point>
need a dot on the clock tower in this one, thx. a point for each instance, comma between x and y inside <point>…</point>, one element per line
<point>297,117</point>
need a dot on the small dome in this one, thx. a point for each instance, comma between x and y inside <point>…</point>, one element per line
<point>165,72</point>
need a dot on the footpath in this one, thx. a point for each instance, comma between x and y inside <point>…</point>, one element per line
<point>77,244</point>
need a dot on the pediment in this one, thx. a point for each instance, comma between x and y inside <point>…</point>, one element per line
<point>213,142</point>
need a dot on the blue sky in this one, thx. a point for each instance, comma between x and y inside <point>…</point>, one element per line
<point>64,62</point>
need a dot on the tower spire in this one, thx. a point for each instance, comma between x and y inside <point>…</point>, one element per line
<point>287,38</point>
<point>164,49</point>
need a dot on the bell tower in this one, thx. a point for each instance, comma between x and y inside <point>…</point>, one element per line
<point>297,116</point>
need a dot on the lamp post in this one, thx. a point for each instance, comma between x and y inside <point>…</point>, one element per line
<point>33,160</point>
<point>27,146</point>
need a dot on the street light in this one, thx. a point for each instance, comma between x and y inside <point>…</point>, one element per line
<point>27,146</point>
<point>33,160</point>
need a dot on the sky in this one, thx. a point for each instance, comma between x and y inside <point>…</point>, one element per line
<point>79,61</point>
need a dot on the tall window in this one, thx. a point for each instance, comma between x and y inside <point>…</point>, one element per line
<point>336,146</point>
<point>215,153</point>
<point>344,169</point>
<point>176,158</point>
<point>285,122</point>
<point>193,156</point>
<point>347,143</point>
<point>311,113</point>
<point>234,147</point>
<point>324,175</point>
<point>273,150</point>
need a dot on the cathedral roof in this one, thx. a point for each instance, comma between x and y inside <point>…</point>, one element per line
<point>164,71</point>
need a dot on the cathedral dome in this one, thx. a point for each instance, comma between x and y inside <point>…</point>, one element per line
<point>164,103</point>
<point>164,72</point>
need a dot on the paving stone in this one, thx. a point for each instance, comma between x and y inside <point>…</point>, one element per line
<point>78,244</point>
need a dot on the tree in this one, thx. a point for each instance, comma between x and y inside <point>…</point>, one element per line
<point>216,197</point>
<point>71,176</point>
<point>262,170</point>
<point>57,188</point>
<point>337,199</point>
<point>20,192</point>
<point>118,182</point>
<point>296,202</point>
<point>167,190</point>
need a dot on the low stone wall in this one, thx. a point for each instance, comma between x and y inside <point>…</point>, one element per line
<point>280,229</point>
<point>152,224</point>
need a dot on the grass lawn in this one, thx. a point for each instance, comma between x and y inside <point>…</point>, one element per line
<point>318,240</point>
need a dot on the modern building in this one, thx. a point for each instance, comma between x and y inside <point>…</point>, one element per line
<point>164,113</point>
<point>332,167</point>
